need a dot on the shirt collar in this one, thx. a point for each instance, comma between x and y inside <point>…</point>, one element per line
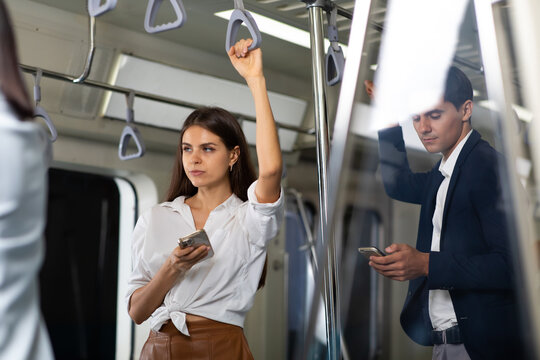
<point>447,166</point>
<point>179,203</point>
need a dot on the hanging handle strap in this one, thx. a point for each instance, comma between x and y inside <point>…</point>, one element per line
<point>130,132</point>
<point>40,111</point>
<point>332,28</point>
<point>37,87</point>
<point>95,9</point>
<point>335,63</point>
<point>334,59</point>
<point>130,113</point>
<point>239,16</point>
<point>151,13</point>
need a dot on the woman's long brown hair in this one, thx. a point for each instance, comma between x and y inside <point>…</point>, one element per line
<point>11,81</point>
<point>222,123</point>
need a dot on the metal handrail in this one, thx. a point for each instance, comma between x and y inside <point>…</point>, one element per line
<point>341,141</point>
<point>40,111</point>
<point>331,291</point>
<point>344,12</point>
<point>149,96</point>
<point>91,51</point>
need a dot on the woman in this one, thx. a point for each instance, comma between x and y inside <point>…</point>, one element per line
<point>197,308</point>
<point>24,156</point>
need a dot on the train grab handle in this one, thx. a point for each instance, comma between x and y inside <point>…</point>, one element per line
<point>239,16</point>
<point>152,10</point>
<point>94,9</point>
<point>130,132</point>
<point>40,111</point>
<point>334,59</point>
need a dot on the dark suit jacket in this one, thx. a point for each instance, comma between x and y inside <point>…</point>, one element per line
<point>474,262</point>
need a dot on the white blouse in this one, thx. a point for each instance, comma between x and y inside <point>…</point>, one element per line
<point>222,287</point>
<point>25,153</point>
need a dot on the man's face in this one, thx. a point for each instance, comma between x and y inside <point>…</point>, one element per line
<point>443,127</point>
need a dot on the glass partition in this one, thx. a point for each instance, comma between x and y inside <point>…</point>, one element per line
<point>487,251</point>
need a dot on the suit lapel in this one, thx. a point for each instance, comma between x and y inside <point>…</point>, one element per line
<point>432,196</point>
<point>465,151</point>
<point>426,229</point>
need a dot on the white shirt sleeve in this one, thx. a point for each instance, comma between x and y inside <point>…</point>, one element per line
<point>263,219</point>
<point>140,275</point>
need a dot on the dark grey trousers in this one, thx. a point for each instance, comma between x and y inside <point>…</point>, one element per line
<point>450,352</point>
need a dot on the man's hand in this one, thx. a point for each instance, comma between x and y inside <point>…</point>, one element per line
<point>370,88</point>
<point>402,263</point>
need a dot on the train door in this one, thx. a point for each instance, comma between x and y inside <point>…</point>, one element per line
<point>88,256</point>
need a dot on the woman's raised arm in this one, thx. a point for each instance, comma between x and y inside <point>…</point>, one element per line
<point>249,66</point>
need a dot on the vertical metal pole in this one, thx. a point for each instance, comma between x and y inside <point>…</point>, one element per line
<point>340,143</point>
<point>321,125</point>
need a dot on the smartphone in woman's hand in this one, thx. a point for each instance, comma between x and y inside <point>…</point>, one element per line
<point>196,239</point>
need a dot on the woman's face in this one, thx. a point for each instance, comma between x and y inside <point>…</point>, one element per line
<point>205,157</point>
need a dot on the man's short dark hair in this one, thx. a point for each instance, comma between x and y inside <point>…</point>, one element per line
<point>458,87</point>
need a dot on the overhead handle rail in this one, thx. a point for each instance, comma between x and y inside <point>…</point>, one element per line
<point>130,132</point>
<point>153,97</point>
<point>40,111</point>
<point>95,9</point>
<point>241,15</point>
<point>91,51</point>
<point>151,13</point>
<point>334,59</point>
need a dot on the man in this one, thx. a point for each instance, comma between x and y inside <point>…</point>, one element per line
<point>460,297</point>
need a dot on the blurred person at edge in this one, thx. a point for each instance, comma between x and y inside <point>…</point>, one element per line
<point>461,298</point>
<point>25,154</point>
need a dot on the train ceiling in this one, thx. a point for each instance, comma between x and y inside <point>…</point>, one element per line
<point>205,31</point>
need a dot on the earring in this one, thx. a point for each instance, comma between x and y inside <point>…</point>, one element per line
<point>230,168</point>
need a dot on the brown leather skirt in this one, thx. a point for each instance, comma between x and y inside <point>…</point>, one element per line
<point>209,340</point>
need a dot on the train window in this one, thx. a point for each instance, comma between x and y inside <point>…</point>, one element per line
<point>364,306</point>
<point>301,269</point>
<point>139,74</point>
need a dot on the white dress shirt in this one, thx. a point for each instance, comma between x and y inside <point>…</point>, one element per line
<point>24,159</point>
<point>441,310</point>
<point>222,287</point>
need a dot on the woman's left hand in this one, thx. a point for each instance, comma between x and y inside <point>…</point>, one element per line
<point>248,63</point>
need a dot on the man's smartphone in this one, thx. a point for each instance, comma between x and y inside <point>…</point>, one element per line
<point>370,251</point>
<point>196,239</point>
